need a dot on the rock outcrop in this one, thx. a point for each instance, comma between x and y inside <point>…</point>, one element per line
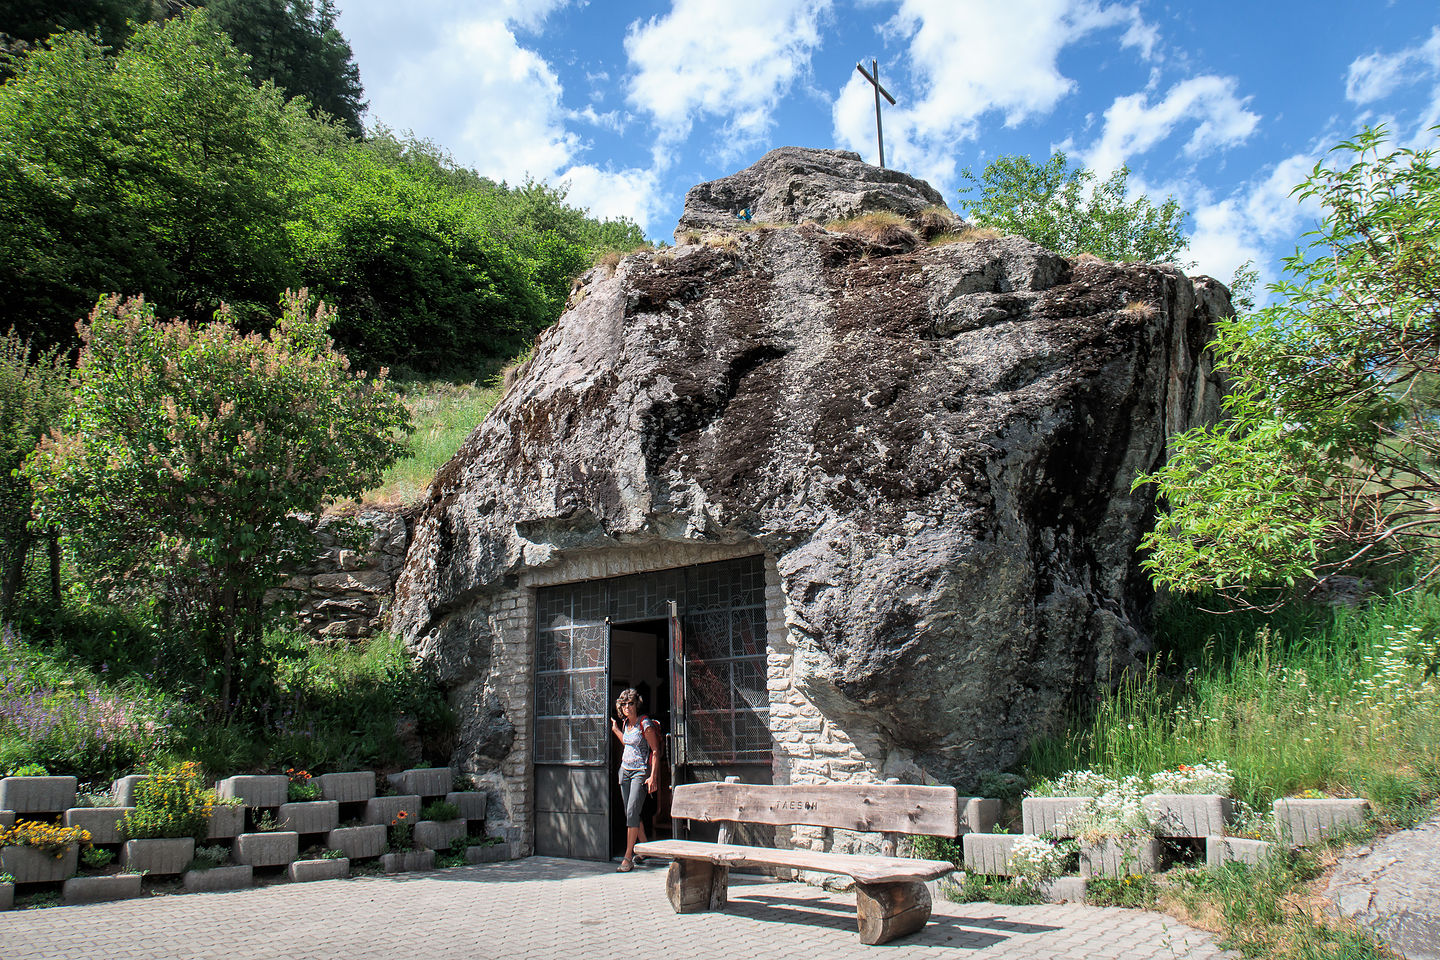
<point>798,184</point>
<point>345,594</point>
<point>935,443</point>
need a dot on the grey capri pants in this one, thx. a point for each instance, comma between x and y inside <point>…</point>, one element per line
<point>632,789</point>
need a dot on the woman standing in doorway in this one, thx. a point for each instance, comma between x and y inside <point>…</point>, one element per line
<point>639,767</point>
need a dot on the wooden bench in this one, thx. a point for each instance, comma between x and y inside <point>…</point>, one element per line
<point>891,899</point>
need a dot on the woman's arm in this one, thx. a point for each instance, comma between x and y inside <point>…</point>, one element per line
<point>651,737</point>
<point>615,729</point>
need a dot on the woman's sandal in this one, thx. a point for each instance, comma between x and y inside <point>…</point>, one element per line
<point>625,866</point>
<point>639,859</point>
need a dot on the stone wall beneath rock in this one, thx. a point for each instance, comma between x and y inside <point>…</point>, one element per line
<point>346,593</point>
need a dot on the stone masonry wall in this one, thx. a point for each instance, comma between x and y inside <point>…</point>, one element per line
<point>346,592</point>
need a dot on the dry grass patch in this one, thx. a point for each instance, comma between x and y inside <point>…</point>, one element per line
<point>879,227</point>
<point>967,235</point>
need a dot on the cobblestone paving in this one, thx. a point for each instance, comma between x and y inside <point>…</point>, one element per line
<point>543,908</point>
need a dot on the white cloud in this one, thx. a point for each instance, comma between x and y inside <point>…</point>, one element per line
<point>611,194</point>
<point>1377,75</point>
<point>1134,126</point>
<point>732,60</point>
<point>974,57</point>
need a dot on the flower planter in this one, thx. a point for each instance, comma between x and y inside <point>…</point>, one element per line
<point>1222,850</point>
<point>7,818</point>
<point>311,816</point>
<point>409,861</point>
<point>1302,822</point>
<point>438,834</point>
<point>470,802</point>
<point>37,794</point>
<point>124,789</point>
<point>226,821</point>
<point>493,853</point>
<point>7,896</point>
<point>358,842</point>
<point>33,865</point>
<point>347,787</point>
<point>267,849</point>
<point>434,782</point>
<point>261,791</point>
<point>219,878</point>
<point>103,823</point>
<point>303,871</point>
<point>382,810</point>
<point>979,815</point>
<point>1188,815</point>
<point>1049,814</point>
<point>118,886</point>
<point>1119,857</point>
<point>159,857</point>
<point>988,853</point>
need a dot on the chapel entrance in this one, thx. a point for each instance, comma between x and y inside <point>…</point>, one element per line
<point>692,641</point>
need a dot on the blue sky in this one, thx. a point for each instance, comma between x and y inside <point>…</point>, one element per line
<point>1224,105</point>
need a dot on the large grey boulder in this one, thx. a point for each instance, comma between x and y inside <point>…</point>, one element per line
<point>937,446</point>
<point>791,185</point>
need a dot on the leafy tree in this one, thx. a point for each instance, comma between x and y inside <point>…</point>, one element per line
<point>1068,210</point>
<point>1330,453</point>
<point>34,389</point>
<point>189,454</point>
<point>295,44</point>
<point>27,22</point>
<point>160,169</point>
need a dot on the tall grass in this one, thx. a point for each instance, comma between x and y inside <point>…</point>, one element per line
<point>1348,707</point>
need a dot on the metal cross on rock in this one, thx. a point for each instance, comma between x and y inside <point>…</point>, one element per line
<point>873,75</point>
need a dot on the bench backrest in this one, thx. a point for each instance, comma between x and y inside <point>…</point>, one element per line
<point>879,807</point>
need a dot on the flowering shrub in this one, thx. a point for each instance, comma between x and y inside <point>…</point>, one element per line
<point>302,787</point>
<point>402,832</point>
<point>1201,778</point>
<point>44,836</point>
<point>1113,809</point>
<point>1034,860</point>
<point>173,802</point>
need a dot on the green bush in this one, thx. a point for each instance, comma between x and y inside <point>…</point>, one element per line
<point>440,810</point>
<point>172,802</point>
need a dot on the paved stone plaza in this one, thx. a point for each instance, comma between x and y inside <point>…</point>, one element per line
<point>541,907</point>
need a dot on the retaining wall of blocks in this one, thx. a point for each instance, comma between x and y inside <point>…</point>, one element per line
<point>51,795</point>
<point>382,810</point>
<point>267,790</point>
<point>979,815</point>
<point>1300,821</point>
<point>1049,814</point>
<point>424,782</point>
<point>1189,815</point>
<point>311,816</point>
<point>227,821</point>
<point>358,842</point>
<point>158,857</point>
<point>32,865</point>
<point>471,803</point>
<point>7,818</point>
<point>304,871</point>
<point>493,853</point>
<point>7,896</point>
<point>438,834</point>
<point>215,879</point>
<point>411,861</point>
<point>1119,857</point>
<point>119,886</point>
<point>124,789</point>
<point>1221,850</point>
<point>988,853</point>
<point>347,787</point>
<point>274,849</point>
<point>103,823</point>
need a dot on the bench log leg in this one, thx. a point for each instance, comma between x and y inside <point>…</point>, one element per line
<point>695,886</point>
<point>885,911</point>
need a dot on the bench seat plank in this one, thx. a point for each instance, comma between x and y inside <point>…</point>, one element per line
<point>864,869</point>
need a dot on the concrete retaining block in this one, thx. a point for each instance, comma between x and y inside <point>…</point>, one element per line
<point>432,782</point>
<point>438,834</point>
<point>32,865</point>
<point>1303,822</point>
<point>1188,815</point>
<point>37,794</point>
<point>493,853</point>
<point>1049,814</point>
<point>382,810</point>
<point>988,853</point>
<point>158,857</point>
<point>979,815</point>
<point>123,790</point>
<point>102,822</point>
<point>347,787</point>
<point>226,821</point>
<point>1119,857</point>
<point>1221,850</point>
<point>304,871</point>
<point>409,861</point>
<point>7,896</point>
<point>312,816</point>
<point>470,802</point>
<point>268,790</point>
<point>1064,890</point>
<point>273,849</point>
<point>7,818</point>
<point>219,878</point>
<point>359,842</point>
<point>119,886</point>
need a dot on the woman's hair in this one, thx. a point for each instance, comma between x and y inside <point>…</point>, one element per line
<point>629,696</point>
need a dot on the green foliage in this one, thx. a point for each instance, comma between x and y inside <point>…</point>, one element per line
<point>938,848</point>
<point>295,44</point>
<point>209,856</point>
<point>158,169</point>
<point>1068,210</point>
<point>302,787</point>
<point>188,455</point>
<point>1329,452</point>
<point>172,801</point>
<point>34,389</point>
<point>28,770</point>
<point>439,810</point>
<point>977,889</point>
<point>30,21</point>
<point>96,858</point>
<point>1140,892</point>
